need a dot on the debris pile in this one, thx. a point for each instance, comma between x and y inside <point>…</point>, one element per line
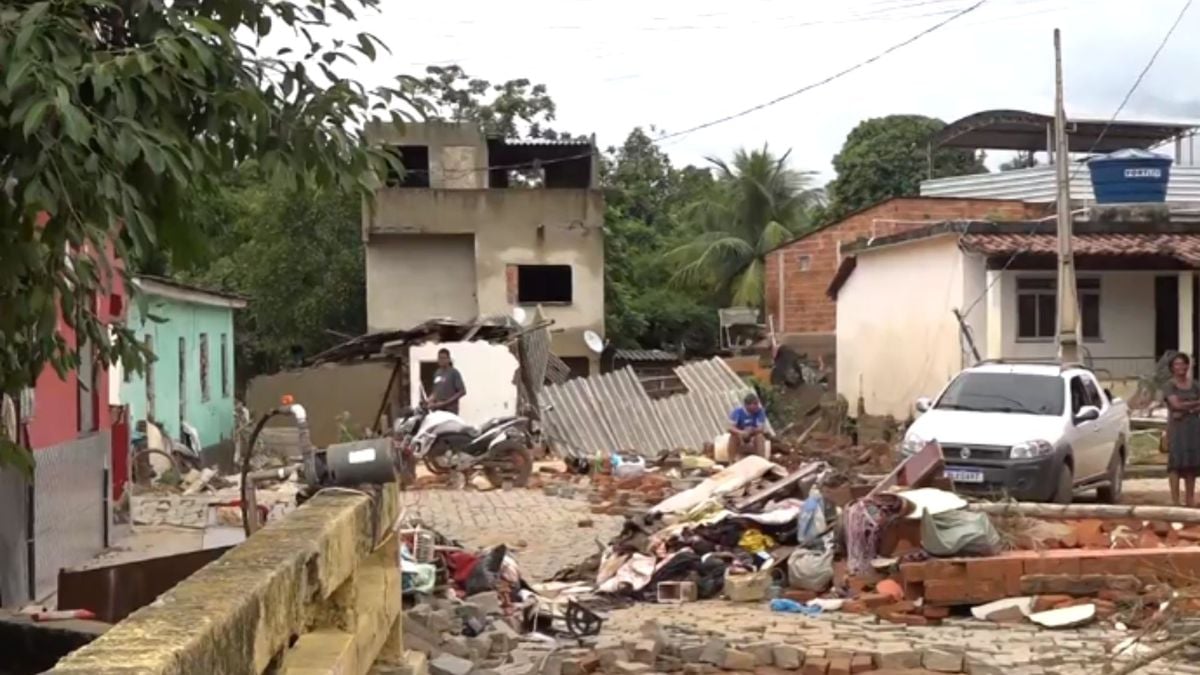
<point>904,549</point>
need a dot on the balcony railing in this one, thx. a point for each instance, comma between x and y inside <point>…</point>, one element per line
<point>1037,185</point>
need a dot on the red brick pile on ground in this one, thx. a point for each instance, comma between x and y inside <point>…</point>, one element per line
<point>840,452</point>
<point>1124,568</point>
<point>613,496</point>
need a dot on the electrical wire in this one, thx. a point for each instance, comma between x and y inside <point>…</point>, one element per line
<point>743,113</point>
<point>1136,83</point>
<point>827,80</point>
<point>1099,137</point>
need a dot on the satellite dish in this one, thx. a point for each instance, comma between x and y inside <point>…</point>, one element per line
<point>594,342</point>
<point>519,315</point>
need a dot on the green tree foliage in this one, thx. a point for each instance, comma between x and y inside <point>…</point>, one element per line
<point>512,109</point>
<point>644,194</point>
<point>889,157</point>
<point>1023,159</point>
<point>112,110</point>
<point>757,204</point>
<point>298,258</point>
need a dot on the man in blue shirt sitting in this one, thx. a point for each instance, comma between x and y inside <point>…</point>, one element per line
<point>748,429</point>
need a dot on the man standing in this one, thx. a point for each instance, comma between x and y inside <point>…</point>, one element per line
<point>448,386</point>
<point>748,429</point>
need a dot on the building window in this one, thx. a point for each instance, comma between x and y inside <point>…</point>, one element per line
<point>183,361</point>
<point>544,283</point>
<point>150,358</point>
<point>224,365</point>
<point>87,395</point>
<point>204,391</point>
<point>1037,308</point>
<point>804,263</point>
<point>580,366</point>
<point>415,159</point>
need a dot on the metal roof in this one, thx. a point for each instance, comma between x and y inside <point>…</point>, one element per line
<point>1023,130</point>
<point>391,344</point>
<point>613,413</point>
<point>1037,184</point>
<point>644,355</point>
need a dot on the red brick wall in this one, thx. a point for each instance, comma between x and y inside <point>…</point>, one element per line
<point>806,308</point>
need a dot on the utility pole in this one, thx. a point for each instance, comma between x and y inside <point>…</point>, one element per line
<point>1068,294</point>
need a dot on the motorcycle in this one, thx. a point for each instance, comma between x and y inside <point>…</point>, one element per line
<point>445,443</point>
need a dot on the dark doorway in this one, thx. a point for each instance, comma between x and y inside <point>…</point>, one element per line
<point>1166,315</point>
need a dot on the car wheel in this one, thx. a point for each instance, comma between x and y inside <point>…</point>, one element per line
<point>1111,494</point>
<point>1066,485</point>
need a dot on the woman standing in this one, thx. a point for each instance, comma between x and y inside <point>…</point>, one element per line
<point>1183,429</point>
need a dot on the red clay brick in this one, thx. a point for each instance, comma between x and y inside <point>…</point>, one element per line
<point>1043,603</point>
<point>806,307</point>
<point>934,612</point>
<point>862,663</point>
<point>840,665</point>
<point>963,592</point>
<point>945,570</point>
<point>913,572</point>
<point>1091,534</point>
<point>1047,564</point>
<point>1005,571</point>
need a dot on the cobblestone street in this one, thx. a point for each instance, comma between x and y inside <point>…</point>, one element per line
<point>546,534</point>
<point>544,531</point>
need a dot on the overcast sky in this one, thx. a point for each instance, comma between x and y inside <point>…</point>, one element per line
<point>612,65</point>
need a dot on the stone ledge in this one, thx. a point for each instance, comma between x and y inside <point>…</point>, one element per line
<point>239,613</point>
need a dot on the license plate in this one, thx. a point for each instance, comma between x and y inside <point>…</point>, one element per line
<point>964,476</point>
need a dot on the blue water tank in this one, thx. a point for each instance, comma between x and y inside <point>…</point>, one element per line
<point>1130,176</point>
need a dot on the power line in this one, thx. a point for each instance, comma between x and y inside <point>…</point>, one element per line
<point>756,108</point>
<point>827,80</point>
<point>1136,83</point>
<point>1099,137</point>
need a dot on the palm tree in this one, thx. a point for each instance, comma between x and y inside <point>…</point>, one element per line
<point>757,204</point>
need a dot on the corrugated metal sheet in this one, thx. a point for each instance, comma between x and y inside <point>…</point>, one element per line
<point>1037,185</point>
<point>613,413</point>
<point>644,355</point>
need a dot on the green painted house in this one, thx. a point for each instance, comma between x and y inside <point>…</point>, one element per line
<point>191,379</point>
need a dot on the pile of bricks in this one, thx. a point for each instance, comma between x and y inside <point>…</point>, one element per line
<point>1121,568</point>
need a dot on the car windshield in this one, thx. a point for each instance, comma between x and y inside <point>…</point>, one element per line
<point>1004,393</point>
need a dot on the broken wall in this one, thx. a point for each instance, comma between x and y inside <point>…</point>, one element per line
<point>488,371</point>
<point>511,227</point>
<point>325,392</point>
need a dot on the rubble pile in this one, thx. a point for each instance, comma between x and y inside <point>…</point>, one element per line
<point>203,499</point>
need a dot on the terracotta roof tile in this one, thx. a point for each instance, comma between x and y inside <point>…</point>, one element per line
<point>1182,247</point>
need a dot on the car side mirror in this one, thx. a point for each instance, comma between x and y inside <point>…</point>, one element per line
<point>1088,413</point>
<point>924,405</point>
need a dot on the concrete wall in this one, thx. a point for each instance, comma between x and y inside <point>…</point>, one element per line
<point>212,415</point>
<point>414,278</point>
<point>325,392</point>
<point>488,372</point>
<point>457,152</point>
<point>798,274</point>
<point>896,336</point>
<point>1126,321</point>
<point>511,227</point>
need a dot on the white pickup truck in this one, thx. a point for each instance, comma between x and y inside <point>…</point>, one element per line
<point>1028,431</point>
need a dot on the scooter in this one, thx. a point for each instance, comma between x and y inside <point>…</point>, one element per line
<point>445,443</point>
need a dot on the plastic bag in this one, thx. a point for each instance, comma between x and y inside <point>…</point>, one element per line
<point>810,570</point>
<point>811,523</point>
<point>957,533</point>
